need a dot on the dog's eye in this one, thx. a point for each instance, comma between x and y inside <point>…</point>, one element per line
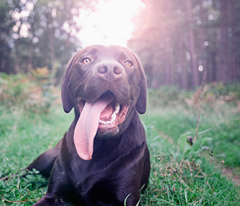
<point>86,61</point>
<point>128,63</point>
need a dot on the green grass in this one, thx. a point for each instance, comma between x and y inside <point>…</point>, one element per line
<point>21,131</point>
<point>24,136</point>
<point>177,178</point>
<point>221,125</point>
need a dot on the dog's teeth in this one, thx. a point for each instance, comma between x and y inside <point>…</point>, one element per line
<point>117,107</point>
<point>114,115</point>
<point>113,118</point>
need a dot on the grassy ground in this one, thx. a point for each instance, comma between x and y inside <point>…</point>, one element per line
<point>23,136</point>
<point>185,177</point>
<point>180,175</point>
<point>221,127</point>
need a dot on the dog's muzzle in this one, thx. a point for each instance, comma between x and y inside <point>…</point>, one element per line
<point>100,118</point>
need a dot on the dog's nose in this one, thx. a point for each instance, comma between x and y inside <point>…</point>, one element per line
<point>110,70</point>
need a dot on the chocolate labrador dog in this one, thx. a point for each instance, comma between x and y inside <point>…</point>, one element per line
<point>103,158</point>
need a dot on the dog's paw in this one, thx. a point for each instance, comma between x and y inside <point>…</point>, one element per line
<point>50,201</point>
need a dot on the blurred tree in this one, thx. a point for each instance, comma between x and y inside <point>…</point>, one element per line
<point>222,41</point>
<point>6,24</point>
<point>178,42</point>
<point>191,43</point>
<point>51,34</point>
<point>157,42</point>
<point>39,33</point>
<point>228,40</point>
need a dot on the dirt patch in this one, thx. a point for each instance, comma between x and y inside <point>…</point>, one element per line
<point>229,174</point>
<point>166,137</point>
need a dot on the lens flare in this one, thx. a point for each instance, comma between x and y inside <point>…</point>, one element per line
<point>111,23</point>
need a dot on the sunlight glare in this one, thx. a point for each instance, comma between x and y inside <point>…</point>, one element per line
<point>110,24</point>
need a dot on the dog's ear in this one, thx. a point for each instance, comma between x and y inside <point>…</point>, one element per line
<point>66,100</point>
<point>142,99</point>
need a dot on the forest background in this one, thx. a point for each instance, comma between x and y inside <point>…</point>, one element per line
<point>176,41</point>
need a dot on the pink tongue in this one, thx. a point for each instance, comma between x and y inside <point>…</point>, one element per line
<point>87,126</point>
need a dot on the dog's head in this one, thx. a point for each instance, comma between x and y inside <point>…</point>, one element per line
<point>104,85</point>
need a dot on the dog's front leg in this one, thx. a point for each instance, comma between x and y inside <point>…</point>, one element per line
<point>44,163</point>
<point>50,201</point>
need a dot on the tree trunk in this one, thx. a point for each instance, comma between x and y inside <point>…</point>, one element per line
<point>193,54</point>
<point>222,63</point>
<point>183,67</point>
<point>234,39</point>
<point>17,57</point>
<point>52,52</point>
<point>30,59</point>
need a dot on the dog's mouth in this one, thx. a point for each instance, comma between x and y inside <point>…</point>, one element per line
<point>113,114</point>
<point>100,118</point>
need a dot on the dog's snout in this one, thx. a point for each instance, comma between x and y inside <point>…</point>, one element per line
<point>109,71</point>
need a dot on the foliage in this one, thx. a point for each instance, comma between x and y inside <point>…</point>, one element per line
<point>167,96</point>
<point>21,91</point>
<point>215,95</point>
<point>22,189</point>
<point>229,92</point>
